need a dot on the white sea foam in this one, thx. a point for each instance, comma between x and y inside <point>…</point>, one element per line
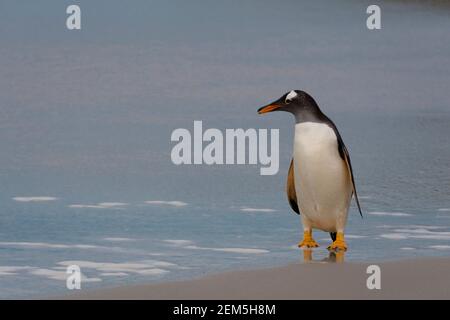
<point>425,234</point>
<point>440,247</point>
<point>50,274</point>
<point>157,254</point>
<point>34,199</point>
<point>420,226</point>
<point>416,233</point>
<point>44,245</point>
<point>12,270</point>
<point>86,206</point>
<point>179,242</point>
<point>112,204</point>
<point>146,267</point>
<point>247,209</point>
<point>168,203</point>
<point>411,226</point>
<point>391,214</point>
<point>37,245</point>
<point>240,250</point>
<point>59,275</point>
<point>231,250</point>
<point>431,237</point>
<point>101,205</point>
<point>394,236</point>
<point>354,236</point>
<point>117,239</point>
<point>117,266</point>
<point>187,244</point>
<point>151,272</point>
<point>114,274</point>
<point>422,231</point>
<point>443,209</point>
<point>159,263</point>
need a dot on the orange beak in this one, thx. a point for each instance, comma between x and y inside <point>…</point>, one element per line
<point>268,108</point>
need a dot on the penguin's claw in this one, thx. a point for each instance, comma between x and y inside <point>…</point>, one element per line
<point>308,241</point>
<point>339,244</point>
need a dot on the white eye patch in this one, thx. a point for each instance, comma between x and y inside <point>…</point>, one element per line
<point>291,95</point>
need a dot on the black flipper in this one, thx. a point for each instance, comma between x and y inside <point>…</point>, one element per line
<point>343,152</point>
<point>290,189</point>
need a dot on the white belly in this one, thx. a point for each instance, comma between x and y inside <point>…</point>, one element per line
<point>322,180</point>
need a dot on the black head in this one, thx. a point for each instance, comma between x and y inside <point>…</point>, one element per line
<point>297,102</point>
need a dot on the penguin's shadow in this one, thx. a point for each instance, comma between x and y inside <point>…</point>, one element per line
<point>333,256</point>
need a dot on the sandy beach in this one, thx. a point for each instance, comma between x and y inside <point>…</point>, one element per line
<point>426,278</point>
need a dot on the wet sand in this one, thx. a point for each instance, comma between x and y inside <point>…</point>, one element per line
<point>426,278</point>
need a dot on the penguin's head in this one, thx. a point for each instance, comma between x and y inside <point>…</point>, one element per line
<point>295,102</point>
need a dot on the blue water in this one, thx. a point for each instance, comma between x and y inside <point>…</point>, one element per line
<point>403,185</point>
<point>86,119</point>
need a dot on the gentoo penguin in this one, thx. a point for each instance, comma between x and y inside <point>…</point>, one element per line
<point>320,181</point>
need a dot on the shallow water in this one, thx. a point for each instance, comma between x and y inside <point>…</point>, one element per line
<point>98,142</point>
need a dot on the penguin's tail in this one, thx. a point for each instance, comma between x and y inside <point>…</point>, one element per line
<point>333,236</point>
